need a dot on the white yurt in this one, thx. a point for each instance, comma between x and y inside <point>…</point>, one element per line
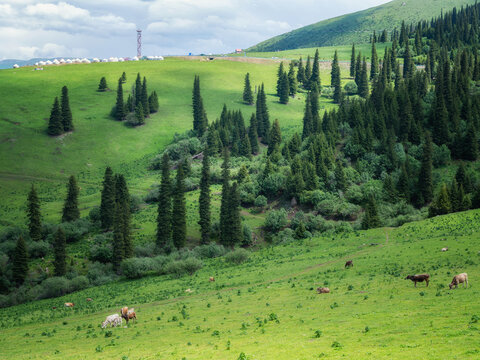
<point>42,63</point>
<point>135,58</point>
<point>95,60</point>
<point>85,61</point>
<point>121,59</point>
<point>16,66</point>
<point>104,60</point>
<point>56,62</point>
<point>68,61</point>
<point>62,61</point>
<point>48,62</point>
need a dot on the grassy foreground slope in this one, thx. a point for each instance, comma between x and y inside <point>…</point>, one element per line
<point>357,27</point>
<point>29,155</point>
<point>268,309</point>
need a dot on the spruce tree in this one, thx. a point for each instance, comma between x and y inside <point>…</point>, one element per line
<point>55,125</point>
<point>234,216</point>
<point>263,121</point>
<point>145,103</point>
<point>179,222</point>
<point>284,89</point>
<point>315,78</point>
<point>374,65</point>
<point>247,91</point>
<point>403,185</point>
<point>371,219</point>
<point>139,115</point>
<point>204,200</point>
<point>441,204</point>
<point>252,134</point>
<point>60,253</point>
<point>407,63</point>
<point>119,105</point>
<point>200,121</point>
<point>280,73</point>
<point>358,69</point>
<point>67,120</point>
<point>308,72</point>
<point>164,214</point>
<point>335,80</point>
<point>118,247</point>
<point>352,62</point>
<point>107,204</point>
<point>153,102</point>
<point>70,207</point>
<point>225,226</point>
<point>33,214</point>
<point>307,118</point>
<point>292,80</point>
<point>275,137</point>
<point>470,149</point>
<point>122,198</point>
<point>425,180</point>
<point>124,77</point>
<point>138,89</point>
<point>340,177</point>
<point>20,262</point>
<point>102,86</point>
<point>363,86</point>
<point>300,72</point>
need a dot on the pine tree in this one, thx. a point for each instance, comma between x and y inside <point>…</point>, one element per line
<point>70,207</point>
<point>55,125</point>
<point>374,65</point>
<point>60,253</point>
<point>301,72</point>
<point>371,219</point>
<point>119,105</point>
<point>138,89</point>
<point>33,214</point>
<point>407,63</point>
<point>340,176</point>
<point>122,199</point>
<point>292,80</point>
<point>441,204</point>
<point>307,118</point>
<point>403,185</point>
<point>107,204</point>
<point>247,91</point>
<point>145,103</point>
<point>425,180</point>
<point>280,73</point>
<point>20,262</point>
<point>358,69</point>
<point>139,114</point>
<point>308,72</point>
<point>284,89</point>
<point>118,247</point>
<point>335,80</point>
<point>263,121</point>
<point>179,222</point>
<point>234,216</point>
<point>204,200</point>
<point>363,86</point>
<point>389,189</point>
<point>352,62</point>
<point>153,102</point>
<point>252,134</point>
<point>225,229</point>
<point>102,86</point>
<point>470,150</point>
<point>315,78</point>
<point>275,137</point>
<point>124,77</point>
<point>67,120</point>
<point>200,121</point>
<point>164,215</point>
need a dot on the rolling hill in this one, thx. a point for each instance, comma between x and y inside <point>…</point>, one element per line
<point>357,27</point>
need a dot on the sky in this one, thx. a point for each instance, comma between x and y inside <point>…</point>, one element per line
<point>105,28</point>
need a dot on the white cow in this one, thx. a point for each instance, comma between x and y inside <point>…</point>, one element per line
<point>113,320</point>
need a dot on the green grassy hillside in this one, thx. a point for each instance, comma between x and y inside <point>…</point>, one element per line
<point>30,156</point>
<point>357,27</point>
<point>267,307</point>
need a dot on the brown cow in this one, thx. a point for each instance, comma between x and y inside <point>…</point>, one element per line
<point>212,279</point>
<point>323,290</point>
<point>419,278</point>
<point>459,279</point>
<point>131,315</point>
<point>349,264</point>
<point>124,313</point>
<point>69,305</point>
<point>89,299</point>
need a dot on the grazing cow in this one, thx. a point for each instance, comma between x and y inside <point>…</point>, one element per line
<point>89,299</point>
<point>445,249</point>
<point>212,279</point>
<point>323,290</point>
<point>113,320</point>
<point>54,307</point>
<point>349,264</point>
<point>124,313</point>
<point>188,291</point>
<point>419,278</point>
<point>459,279</point>
<point>131,315</point>
<point>69,305</point>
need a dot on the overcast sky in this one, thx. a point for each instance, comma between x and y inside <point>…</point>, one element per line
<point>104,28</point>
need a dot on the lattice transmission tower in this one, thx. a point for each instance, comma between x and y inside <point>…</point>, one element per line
<point>139,44</point>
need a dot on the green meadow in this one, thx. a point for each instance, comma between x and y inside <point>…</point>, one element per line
<point>267,307</point>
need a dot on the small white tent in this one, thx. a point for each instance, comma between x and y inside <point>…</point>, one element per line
<point>16,66</point>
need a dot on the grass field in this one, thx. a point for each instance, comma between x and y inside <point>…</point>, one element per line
<point>30,156</point>
<point>267,308</point>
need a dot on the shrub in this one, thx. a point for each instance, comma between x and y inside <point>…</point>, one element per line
<point>75,230</point>
<point>102,253</point>
<point>285,236</point>
<point>209,251</point>
<point>247,235</point>
<point>147,250</point>
<point>273,184</point>
<point>13,233</point>
<point>100,274</point>
<point>261,201</point>
<point>183,267</point>
<point>54,287</point>
<point>237,256</point>
<point>248,191</point>
<point>94,214</point>
<point>135,268</point>
<point>179,150</point>
<point>276,220</point>
<point>152,195</point>
<point>351,88</point>
<point>135,202</point>
<point>38,249</point>
<point>79,283</point>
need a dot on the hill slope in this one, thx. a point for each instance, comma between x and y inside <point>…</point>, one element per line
<point>268,308</point>
<point>357,27</point>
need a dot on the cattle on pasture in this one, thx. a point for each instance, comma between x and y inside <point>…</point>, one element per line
<point>459,279</point>
<point>419,278</point>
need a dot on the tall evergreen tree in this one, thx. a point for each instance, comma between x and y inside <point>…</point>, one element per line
<point>67,119</point>
<point>407,63</point>
<point>335,80</point>
<point>352,62</point>
<point>153,102</point>
<point>284,89</point>
<point>119,105</point>
<point>308,72</point>
<point>371,219</point>
<point>363,86</point>
<point>55,125</point>
<point>179,221</point>
<point>60,253</point>
<point>340,176</point>
<point>102,86</point>
<point>292,80</point>
<point>124,77</point>
<point>164,215</point>
<point>204,200</point>
<point>441,205</point>
<point>138,89</point>
<point>252,134</point>
<point>225,229</point>
<point>275,137</point>
<point>315,78</point>
<point>358,69</point>
<point>280,73</point>
<point>300,72</point>
<point>70,207</point>
<point>374,66</point>
<point>247,91</point>
<point>263,121</point>
<point>425,180</point>
<point>20,262</point>
<point>122,198</point>
<point>33,214</point>
<point>200,121</point>
<point>139,114</point>
<point>118,246</point>
<point>307,118</point>
<point>107,204</point>
<point>145,104</point>
<point>234,216</point>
